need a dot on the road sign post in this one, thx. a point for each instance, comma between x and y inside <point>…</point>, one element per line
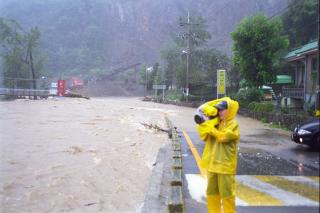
<point>221,83</point>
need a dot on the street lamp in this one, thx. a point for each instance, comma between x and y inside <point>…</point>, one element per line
<point>149,69</point>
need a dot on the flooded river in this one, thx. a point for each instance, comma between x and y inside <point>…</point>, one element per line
<point>79,155</point>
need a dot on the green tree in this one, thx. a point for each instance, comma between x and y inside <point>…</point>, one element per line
<point>258,45</point>
<point>191,38</point>
<point>156,74</point>
<point>19,53</point>
<point>300,21</point>
<point>233,77</point>
<point>208,62</point>
<point>174,69</point>
<point>143,75</point>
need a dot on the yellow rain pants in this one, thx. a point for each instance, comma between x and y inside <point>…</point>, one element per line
<point>221,188</point>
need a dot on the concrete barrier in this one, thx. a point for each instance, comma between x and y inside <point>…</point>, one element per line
<point>176,204</point>
<point>176,177</point>
<point>175,198</point>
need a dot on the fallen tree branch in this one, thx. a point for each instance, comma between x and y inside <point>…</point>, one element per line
<point>74,95</point>
<point>156,127</point>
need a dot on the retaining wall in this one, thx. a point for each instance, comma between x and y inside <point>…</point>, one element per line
<point>288,121</point>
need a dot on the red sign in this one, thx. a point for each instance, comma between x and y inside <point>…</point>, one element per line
<point>77,82</point>
<point>61,87</point>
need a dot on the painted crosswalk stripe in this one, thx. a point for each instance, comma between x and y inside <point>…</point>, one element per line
<point>303,180</point>
<point>288,198</point>
<point>255,197</point>
<point>314,178</point>
<point>292,186</point>
<point>254,191</point>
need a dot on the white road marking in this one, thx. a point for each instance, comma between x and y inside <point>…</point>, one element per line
<point>303,180</point>
<point>288,198</point>
<point>197,189</point>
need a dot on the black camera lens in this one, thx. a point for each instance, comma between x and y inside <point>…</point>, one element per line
<point>198,119</point>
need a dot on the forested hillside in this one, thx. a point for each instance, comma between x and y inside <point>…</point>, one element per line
<point>95,36</point>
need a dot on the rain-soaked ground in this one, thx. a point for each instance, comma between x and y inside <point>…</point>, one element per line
<point>252,161</point>
<point>263,152</point>
<point>268,151</point>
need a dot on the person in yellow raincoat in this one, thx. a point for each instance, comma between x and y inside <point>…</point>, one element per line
<point>220,154</point>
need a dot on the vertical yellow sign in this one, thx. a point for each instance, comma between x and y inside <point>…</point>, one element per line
<point>221,81</point>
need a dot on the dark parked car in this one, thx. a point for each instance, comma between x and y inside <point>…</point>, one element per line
<point>308,133</point>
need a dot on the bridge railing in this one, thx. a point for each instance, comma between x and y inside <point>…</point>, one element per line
<point>24,92</point>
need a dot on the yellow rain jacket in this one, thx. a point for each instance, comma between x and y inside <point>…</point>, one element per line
<point>220,152</point>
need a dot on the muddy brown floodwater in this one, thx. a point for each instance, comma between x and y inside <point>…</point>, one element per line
<point>79,155</point>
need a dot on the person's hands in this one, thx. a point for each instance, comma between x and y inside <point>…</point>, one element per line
<point>220,136</point>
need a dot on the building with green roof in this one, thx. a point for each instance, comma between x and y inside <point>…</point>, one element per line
<point>305,75</point>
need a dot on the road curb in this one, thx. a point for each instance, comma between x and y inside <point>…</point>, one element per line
<point>152,201</point>
<point>175,199</point>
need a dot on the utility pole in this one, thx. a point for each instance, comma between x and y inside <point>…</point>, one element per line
<point>188,34</point>
<point>146,82</point>
<point>188,52</point>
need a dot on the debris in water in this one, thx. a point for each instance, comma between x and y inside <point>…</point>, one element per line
<point>97,160</point>
<point>74,150</point>
<point>89,204</point>
<point>56,166</point>
<point>156,127</point>
<point>74,95</point>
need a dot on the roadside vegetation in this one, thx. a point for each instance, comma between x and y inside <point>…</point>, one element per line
<point>260,43</point>
<point>21,56</point>
<point>188,59</point>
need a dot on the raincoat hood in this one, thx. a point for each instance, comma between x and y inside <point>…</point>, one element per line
<point>233,107</point>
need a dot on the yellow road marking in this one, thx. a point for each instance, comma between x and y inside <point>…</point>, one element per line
<point>195,153</point>
<point>254,197</point>
<point>292,186</point>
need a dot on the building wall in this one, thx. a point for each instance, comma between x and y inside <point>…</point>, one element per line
<point>313,98</point>
<point>311,84</point>
<point>299,74</point>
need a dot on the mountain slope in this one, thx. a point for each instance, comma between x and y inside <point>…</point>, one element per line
<point>80,35</point>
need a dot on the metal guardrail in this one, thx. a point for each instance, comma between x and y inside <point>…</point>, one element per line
<point>24,92</point>
<point>293,92</point>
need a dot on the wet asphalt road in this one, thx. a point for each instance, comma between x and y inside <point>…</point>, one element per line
<point>267,153</point>
<point>289,160</point>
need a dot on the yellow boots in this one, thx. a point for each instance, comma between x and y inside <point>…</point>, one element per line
<point>229,205</point>
<point>214,204</point>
